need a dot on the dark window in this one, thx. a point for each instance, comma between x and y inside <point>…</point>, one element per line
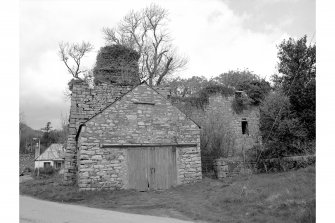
<point>58,165</point>
<point>245,130</point>
<point>46,164</point>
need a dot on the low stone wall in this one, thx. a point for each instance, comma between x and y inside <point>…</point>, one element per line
<point>228,167</point>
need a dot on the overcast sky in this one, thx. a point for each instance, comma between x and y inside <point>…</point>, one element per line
<point>216,36</point>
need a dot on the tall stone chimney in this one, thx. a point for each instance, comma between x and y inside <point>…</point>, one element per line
<point>115,73</point>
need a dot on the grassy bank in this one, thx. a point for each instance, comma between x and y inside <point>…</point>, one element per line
<point>277,197</point>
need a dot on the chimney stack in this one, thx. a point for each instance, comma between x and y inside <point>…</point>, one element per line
<point>37,150</point>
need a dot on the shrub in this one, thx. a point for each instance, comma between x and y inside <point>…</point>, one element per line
<point>239,104</point>
<point>216,138</point>
<point>282,132</point>
<point>47,171</point>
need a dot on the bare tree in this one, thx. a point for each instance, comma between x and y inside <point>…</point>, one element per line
<point>146,32</point>
<point>71,55</point>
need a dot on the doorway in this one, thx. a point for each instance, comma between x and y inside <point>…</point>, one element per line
<point>152,168</point>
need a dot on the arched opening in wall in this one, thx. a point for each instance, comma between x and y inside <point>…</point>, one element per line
<point>76,161</point>
<point>244,125</point>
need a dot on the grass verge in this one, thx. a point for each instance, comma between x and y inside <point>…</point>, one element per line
<point>276,197</point>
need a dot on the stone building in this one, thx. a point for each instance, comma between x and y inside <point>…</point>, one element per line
<point>140,141</point>
<point>243,126</point>
<point>129,137</point>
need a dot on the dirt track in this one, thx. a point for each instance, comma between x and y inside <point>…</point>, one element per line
<point>39,211</point>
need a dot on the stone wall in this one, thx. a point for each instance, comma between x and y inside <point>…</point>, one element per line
<point>221,107</point>
<point>85,103</point>
<point>141,117</point>
<point>26,161</point>
<point>188,165</point>
<point>228,167</point>
<point>101,168</point>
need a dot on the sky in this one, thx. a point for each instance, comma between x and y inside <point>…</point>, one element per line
<point>215,35</point>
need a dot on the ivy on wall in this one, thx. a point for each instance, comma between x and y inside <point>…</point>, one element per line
<point>201,99</point>
<point>116,64</point>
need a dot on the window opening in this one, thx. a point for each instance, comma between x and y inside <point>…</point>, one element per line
<point>238,94</point>
<point>58,165</point>
<point>46,164</point>
<point>245,130</point>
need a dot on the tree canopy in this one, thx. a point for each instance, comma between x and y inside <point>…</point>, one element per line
<point>297,73</point>
<point>146,32</point>
<point>288,114</point>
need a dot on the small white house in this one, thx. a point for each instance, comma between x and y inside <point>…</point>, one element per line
<point>53,156</point>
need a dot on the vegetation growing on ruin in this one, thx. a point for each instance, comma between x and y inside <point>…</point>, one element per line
<point>201,99</point>
<point>116,63</point>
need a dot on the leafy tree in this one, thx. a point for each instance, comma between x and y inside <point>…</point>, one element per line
<point>255,89</point>
<point>297,73</point>
<point>281,130</point>
<point>146,32</point>
<point>46,139</point>
<point>51,135</point>
<point>235,78</point>
<point>26,137</point>
<point>186,87</point>
<point>253,85</point>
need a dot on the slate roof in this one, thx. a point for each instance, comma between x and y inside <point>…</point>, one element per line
<point>53,152</point>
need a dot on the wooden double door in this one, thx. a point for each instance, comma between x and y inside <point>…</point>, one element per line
<point>152,168</point>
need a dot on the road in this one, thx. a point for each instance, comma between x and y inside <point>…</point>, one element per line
<point>38,211</point>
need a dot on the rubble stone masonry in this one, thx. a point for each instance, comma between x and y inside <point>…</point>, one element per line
<point>86,102</point>
<point>141,117</point>
<point>221,106</point>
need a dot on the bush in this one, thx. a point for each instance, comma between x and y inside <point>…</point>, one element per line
<point>47,171</point>
<point>267,161</point>
<point>239,104</point>
<point>281,130</point>
<point>216,139</point>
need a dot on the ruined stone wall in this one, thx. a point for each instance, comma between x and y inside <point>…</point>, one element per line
<point>141,117</point>
<point>86,102</point>
<point>222,107</point>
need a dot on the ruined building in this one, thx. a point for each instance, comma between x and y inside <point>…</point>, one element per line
<point>126,134</point>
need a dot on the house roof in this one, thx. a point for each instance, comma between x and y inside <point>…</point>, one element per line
<point>143,82</point>
<point>53,152</point>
